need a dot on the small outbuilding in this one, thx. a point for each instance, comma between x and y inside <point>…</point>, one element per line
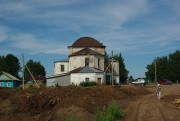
<point>8,80</point>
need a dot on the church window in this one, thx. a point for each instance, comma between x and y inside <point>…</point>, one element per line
<point>62,68</point>
<point>98,63</point>
<point>86,61</point>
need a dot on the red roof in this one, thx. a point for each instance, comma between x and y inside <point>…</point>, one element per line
<point>87,42</point>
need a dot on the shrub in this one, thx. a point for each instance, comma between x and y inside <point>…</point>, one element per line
<point>31,87</point>
<point>73,118</point>
<point>112,113</point>
<point>88,84</point>
<point>18,88</point>
<point>57,85</point>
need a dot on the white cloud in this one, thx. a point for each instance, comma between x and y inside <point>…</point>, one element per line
<point>34,45</point>
<point>3,36</point>
<point>3,33</point>
<point>102,20</point>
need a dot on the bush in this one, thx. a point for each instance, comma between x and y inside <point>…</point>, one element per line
<point>88,84</point>
<point>112,113</point>
<point>73,118</point>
<point>18,88</point>
<point>57,85</point>
<point>148,81</point>
<point>31,87</point>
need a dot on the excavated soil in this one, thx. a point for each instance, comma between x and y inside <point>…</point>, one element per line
<point>58,103</point>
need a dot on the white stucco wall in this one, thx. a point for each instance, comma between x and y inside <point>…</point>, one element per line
<point>116,67</point>
<point>79,61</point>
<point>57,67</point>
<point>101,67</point>
<point>76,78</point>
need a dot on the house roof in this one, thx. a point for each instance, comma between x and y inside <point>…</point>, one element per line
<point>65,60</point>
<point>7,76</point>
<point>87,42</point>
<point>87,69</point>
<point>86,51</point>
<point>36,77</point>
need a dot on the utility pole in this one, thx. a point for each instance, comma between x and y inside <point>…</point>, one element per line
<point>24,65</point>
<point>23,69</point>
<point>155,73</point>
<point>32,76</point>
<point>112,69</point>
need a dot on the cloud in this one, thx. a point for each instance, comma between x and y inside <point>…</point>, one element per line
<point>33,45</point>
<point>126,25</point>
<point>3,36</point>
<point>82,13</point>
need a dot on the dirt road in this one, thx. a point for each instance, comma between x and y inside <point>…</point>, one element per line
<point>148,108</point>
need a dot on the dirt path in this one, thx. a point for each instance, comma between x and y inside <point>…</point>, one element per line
<point>148,108</point>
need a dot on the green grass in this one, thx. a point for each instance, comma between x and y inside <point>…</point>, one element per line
<point>111,113</point>
<point>73,118</point>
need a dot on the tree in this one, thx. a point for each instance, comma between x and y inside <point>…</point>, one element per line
<point>174,66</point>
<point>131,79</point>
<point>151,71</point>
<point>161,69</point>
<point>122,69</point>
<point>167,67</point>
<point>106,57</point>
<point>2,63</point>
<point>123,72</point>
<point>35,67</point>
<point>10,64</point>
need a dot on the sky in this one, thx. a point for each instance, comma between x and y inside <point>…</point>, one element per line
<point>42,29</point>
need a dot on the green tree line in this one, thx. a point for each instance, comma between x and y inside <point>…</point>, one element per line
<point>11,64</point>
<point>168,67</point>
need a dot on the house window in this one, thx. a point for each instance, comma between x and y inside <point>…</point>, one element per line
<point>98,63</point>
<point>99,80</point>
<point>86,61</point>
<point>8,84</point>
<point>87,79</point>
<point>1,84</point>
<point>62,68</point>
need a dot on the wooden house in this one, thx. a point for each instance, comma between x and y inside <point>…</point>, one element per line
<point>8,80</point>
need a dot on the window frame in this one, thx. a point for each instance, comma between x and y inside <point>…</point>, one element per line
<point>98,63</point>
<point>86,61</point>
<point>87,79</point>
<point>62,67</point>
<point>8,84</point>
<point>1,84</point>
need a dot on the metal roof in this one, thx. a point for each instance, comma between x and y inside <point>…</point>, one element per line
<point>87,69</point>
<point>86,51</point>
<point>10,76</point>
<point>65,60</point>
<point>87,42</point>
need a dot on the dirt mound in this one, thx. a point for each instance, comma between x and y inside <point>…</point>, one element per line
<point>44,103</point>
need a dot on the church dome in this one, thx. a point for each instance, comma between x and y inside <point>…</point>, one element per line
<point>87,42</point>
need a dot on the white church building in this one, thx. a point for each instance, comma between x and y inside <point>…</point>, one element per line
<point>86,62</point>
